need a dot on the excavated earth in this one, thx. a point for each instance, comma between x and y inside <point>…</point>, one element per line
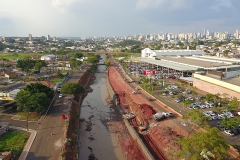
<point>160,137</point>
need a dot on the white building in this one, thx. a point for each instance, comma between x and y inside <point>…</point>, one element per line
<point>148,53</point>
<point>48,57</point>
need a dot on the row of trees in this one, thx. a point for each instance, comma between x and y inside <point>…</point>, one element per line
<point>28,64</point>
<point>36,97</point>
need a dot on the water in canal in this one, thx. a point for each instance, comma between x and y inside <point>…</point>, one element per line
<point>94,136</point>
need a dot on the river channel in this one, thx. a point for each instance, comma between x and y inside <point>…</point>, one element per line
<point>95,139</point>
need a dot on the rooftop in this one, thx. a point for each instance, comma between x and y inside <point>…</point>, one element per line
<point>195,61</point>
<point>170,64</point>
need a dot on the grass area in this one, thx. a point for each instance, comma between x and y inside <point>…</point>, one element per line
<point>14,141</point>
<point>31,117</point>
<point>56,80</point>
<point>14,56</point>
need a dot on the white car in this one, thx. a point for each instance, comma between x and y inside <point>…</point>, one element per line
<point>60,95</point>
<point>202,106</point>
<point>220,117</point>
<point>229,132</point>
<point>184,124</point>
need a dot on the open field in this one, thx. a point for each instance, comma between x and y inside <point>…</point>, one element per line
<point>15,56</point>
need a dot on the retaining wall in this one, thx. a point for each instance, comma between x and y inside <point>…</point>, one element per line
<point>131,130</point>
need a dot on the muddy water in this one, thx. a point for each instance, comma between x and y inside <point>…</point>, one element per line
<point>95,140</point>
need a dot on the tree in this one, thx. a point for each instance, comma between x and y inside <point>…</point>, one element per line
<point>72,88</point>
<point>78,55</point>
<point>93,60</point>
<point>39,65</point>
<point>231,122</point>
<point>34,92</point>
<point>39,88</point>
<point>144,80</point>
<point>211,97</point>
<point>187,102</point>
<point>38,102</point>
<point>74,63</point>
<point>209,141</point>
<point>107,63</point>
<point>197,118</point>
<point>225,52</point>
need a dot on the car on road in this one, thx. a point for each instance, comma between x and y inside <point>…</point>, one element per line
<point>60,95</point>
<point>149,99</point>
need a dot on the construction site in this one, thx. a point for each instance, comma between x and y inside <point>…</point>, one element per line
<point>159,137</point>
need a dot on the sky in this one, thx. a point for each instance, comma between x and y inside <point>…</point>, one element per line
<point>88,18</point>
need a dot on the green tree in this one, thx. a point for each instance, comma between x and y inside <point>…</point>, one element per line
<point>74,63</point>
<point>209,141</point>
<point>34,97</point>
<point>93,60</point>
<point>107,63</point>
<point>225,52</point>
<point>72,88</point>
<point>39,65</point>
<point>187,102</point>
<point>78,55</point>
<point>144,80</point>
<point>211,97</point>
<point>197,118</point>
<point>59,74</point>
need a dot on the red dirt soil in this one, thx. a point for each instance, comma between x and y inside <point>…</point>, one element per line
<point>161,137</point>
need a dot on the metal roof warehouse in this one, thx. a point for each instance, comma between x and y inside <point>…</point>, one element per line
<point>172,65</point>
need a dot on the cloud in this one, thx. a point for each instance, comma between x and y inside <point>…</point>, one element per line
<point>170,4</point>
<point>62,5</point>
<point>115,17</point>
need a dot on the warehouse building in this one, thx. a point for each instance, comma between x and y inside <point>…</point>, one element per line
<point>211,74</point>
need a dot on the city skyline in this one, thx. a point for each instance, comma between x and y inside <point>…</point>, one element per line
<point>89,18</point>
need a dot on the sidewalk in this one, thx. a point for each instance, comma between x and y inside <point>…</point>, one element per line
<point>29,142</point>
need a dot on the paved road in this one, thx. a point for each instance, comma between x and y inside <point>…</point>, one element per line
<point>46,145</point>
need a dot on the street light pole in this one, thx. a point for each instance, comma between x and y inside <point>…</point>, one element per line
<point>27,120</point>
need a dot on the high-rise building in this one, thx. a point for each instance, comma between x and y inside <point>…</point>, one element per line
<point>54,39</point>
<point>48,37</point>
<point>29,37</point>
<point>237,34</point>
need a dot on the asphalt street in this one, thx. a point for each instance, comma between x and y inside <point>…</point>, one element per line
<point>50,138</point>
<point>50,131</point>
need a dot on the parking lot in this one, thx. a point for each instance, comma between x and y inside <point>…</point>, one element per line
<point>172,94</point>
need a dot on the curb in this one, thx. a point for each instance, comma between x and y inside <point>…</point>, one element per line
<point>29,142</point>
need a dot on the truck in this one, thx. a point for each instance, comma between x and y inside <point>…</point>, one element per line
<point>159,116</point>
<point>162,116</point>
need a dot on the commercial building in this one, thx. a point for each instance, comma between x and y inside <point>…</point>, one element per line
<point>48,57</point>
<point>211,74</point>
<point>148,53</point>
